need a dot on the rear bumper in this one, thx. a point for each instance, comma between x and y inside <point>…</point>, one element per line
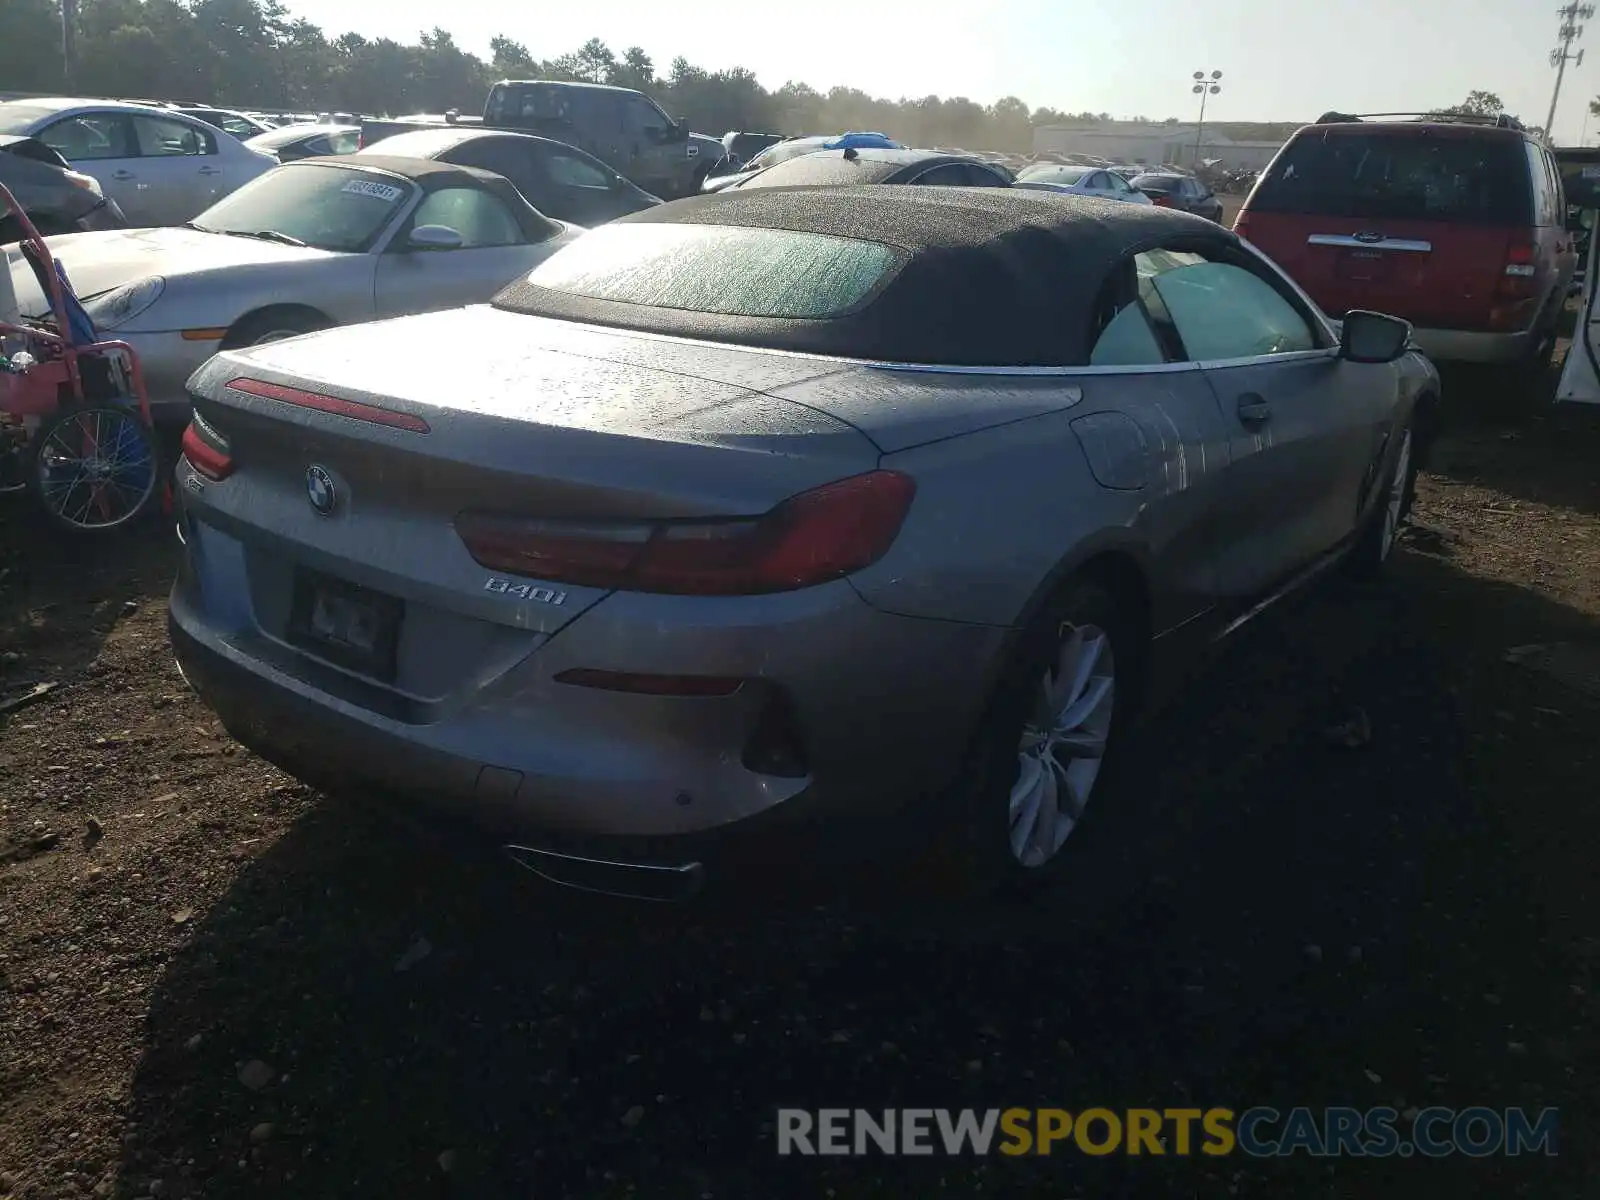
<point>1462,346</point>
<point>535,762</point>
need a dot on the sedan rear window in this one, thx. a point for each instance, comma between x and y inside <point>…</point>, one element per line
<point>1051,173</point>
<point>1399,176</point>
<point>726,270</point>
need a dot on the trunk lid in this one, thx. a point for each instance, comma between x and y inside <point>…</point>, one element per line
<point>522,417</point>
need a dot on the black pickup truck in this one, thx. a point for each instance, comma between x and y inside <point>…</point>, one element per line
<point>623,128</point>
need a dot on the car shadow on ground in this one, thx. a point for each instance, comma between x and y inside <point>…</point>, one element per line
<point>1306,900</point>
<point>1515,439</point>
<point>62,594</point>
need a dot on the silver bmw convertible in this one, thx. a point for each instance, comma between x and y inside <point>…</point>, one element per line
<point>788,511</point>
<point>327,241</point>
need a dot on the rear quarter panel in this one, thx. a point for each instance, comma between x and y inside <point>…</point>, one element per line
<point>1004,513</point>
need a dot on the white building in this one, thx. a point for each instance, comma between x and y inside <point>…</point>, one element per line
<point>1139,142</point>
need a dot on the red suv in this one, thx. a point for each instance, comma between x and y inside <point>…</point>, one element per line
<point>1456,224</point>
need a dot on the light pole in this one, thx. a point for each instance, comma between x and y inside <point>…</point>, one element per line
<point>1203,86</point>
<point>1569,32</point>
<point>69,43</point>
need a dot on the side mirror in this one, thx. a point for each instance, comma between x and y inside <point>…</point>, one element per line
<point>434,237</point>
<point>1370,337</point>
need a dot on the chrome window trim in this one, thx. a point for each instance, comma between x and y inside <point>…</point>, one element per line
<point>1411,245</point>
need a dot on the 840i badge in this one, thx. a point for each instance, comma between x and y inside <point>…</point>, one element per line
<point>524,591</point>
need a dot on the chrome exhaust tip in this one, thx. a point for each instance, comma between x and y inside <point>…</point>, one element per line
<point>628,881</point>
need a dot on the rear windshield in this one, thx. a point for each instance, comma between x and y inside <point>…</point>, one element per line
<point>1164,183</point>
<point>1050,173</point>
<point>727,270</point>
<point>1398,176</point>
<point>419,143</point>
<point>528,103</point>
<point>783,151</point>
<point>275,139</point>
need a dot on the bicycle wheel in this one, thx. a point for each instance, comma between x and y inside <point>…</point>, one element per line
<point>94,467</point>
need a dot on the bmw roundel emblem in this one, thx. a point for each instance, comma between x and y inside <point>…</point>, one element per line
<point>320,490</point>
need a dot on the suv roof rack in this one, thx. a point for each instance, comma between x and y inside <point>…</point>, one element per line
<point>1496,121</point>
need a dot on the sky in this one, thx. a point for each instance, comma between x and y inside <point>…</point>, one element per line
<point>1281,59</point>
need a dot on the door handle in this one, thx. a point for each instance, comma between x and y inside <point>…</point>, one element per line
<point>1253,410</point>
<point>210,171</point>
<point>122,174</point>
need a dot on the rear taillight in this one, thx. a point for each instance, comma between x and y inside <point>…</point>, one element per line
<point>207,450</point>
<point>1241,226</point>
<point>817,536</point>
<point>1521,260</point>
<point>1514,292</point>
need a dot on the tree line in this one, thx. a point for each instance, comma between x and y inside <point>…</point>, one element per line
<point>255,54</point>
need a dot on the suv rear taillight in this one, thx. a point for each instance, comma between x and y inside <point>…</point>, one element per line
<point>207,450</point>
<point>817,536</point>
<point>1514,292</point>
<point>1161,201</point>
<point>1241,226</point>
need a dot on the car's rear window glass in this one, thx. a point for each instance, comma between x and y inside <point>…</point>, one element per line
<point>1050,173</point>
<point>1157,182</point>
<point>728,270</point>
<point>1400,176</point>
<point>780,152</point>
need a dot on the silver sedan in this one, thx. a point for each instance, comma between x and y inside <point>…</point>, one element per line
<point>160,166</point>
<point>327,241</point>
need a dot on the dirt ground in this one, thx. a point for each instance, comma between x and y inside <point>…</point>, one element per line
<point>214,982</point>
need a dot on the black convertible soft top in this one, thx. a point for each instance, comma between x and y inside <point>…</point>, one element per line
<point>986,276</point>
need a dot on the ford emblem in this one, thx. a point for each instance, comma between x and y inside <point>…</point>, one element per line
<point>320,490</point>
<point>1366,235</point>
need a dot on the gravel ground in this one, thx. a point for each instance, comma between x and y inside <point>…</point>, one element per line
<point>215,982</point>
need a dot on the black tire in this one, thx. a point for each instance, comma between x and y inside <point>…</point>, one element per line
<point>1376,544</point>
<point>272,325</point>
<point>77,504</point>
<point>978,859</point>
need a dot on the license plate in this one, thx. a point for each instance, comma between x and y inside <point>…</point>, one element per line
<point>353,626</point>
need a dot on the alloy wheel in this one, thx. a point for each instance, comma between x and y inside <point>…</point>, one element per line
<point>1063,744</point>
